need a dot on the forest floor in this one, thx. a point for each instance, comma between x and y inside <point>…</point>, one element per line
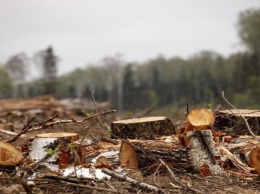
<point>185,181</point>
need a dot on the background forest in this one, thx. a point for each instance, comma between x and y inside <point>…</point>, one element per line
<point>161,81</point>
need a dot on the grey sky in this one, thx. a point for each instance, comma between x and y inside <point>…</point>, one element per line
<point>84,31</point>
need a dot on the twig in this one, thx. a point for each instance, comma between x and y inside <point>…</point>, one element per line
<point>96,115</point>
<point>179,182</point>
<point>76,182</point>
<point>94,188</point>
<point>187,109</point>
<point>133,181</point>
<point>24,130</point>
<point>248,127</point>
<point>66,179</point>
<point>68,121</point>
<point>94,103</point>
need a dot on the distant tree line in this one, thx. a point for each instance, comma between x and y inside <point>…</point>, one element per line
<point>161,81</point>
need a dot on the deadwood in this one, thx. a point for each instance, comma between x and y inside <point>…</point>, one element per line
<point>142,128</point>
<point>133,181</point>
<point>203,153</point>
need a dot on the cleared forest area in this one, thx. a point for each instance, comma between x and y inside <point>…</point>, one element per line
<point>46,148</point>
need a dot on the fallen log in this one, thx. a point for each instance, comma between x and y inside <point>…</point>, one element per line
<point>169,150</point>
<point>142,128</point>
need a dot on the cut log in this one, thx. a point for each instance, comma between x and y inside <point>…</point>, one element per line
<point>199,119</point>
<point>142,128</point>
<point>9,156</point>
<point>169,150</point>
<point>231,122</point>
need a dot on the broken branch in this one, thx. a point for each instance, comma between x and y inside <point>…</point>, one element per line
<point>130,180</point>
<point>248,127</point>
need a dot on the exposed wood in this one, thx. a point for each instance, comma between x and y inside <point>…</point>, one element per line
<point>243,112</point>
<point>254,159</point>
<point>128,156</point>
<point>199,119</point>
<point>8,132</point>
<point>9,155</point>
<point>235,161</point>
<point>142,128</point>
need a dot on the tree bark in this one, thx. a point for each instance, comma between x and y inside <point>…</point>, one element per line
<point>142,128</point>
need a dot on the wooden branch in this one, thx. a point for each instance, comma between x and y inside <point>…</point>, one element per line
<point>248,127</point>
<point>76,182</point>
<point>133,181</point>
<point>235,161</point>
<point>94,188</point>
<point>45,124</point>
<point>66,179</point>
<point>8,132</point>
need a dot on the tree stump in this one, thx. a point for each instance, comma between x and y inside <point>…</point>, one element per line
<point>53,149</point>
<point>231,122</point>
<point>9,156</point>
<point>142,128</point>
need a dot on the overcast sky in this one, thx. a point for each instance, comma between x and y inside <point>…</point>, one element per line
<point>84,31</point>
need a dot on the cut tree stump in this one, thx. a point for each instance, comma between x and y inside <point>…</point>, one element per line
<point>9,156</point>
<point>231,122</point>
<point>53,149</point>
<point>142,128</point>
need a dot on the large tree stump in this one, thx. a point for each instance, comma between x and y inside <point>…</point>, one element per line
<point>142,128</point>
<point>231,122</point>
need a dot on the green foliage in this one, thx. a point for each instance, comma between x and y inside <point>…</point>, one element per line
<point>51,151</point>
<point>70,145</point>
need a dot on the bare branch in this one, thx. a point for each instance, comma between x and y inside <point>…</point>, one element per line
<point>248,127</point>
<point>130,180</point>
